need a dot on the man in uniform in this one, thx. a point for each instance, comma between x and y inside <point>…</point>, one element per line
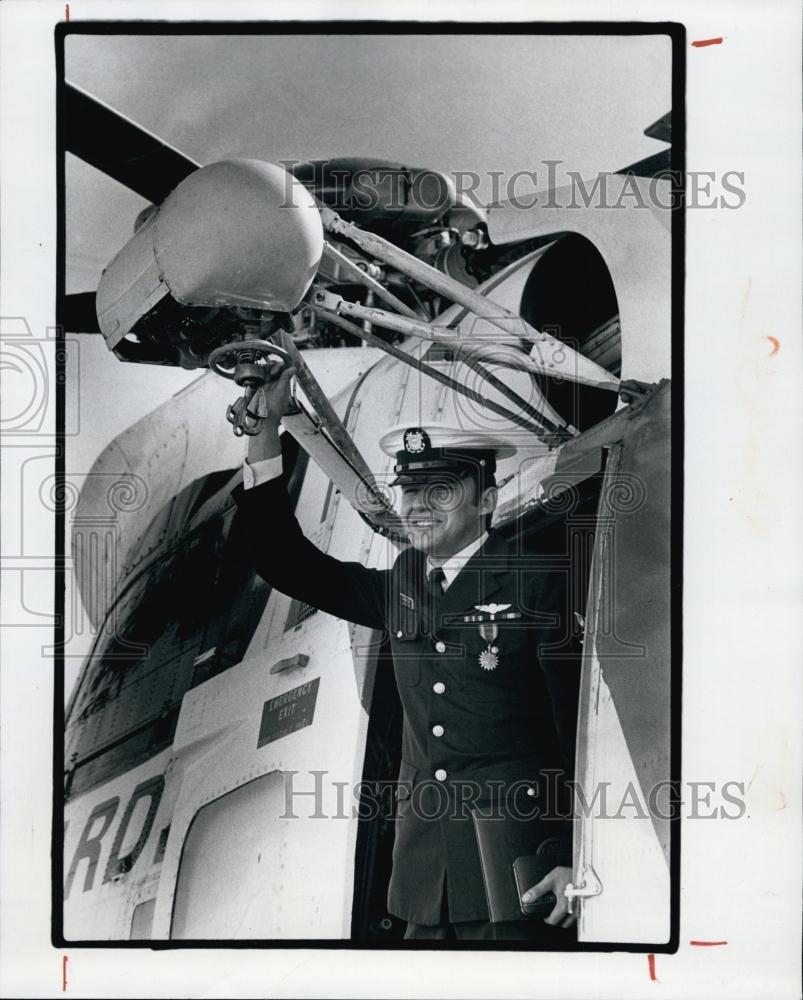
<point>490,707</point>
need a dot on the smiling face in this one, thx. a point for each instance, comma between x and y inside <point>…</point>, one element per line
<point>444,514</point>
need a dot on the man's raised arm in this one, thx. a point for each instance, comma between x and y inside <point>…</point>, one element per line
<point>278,549</point>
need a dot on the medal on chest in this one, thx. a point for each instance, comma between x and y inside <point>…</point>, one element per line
<point>489,632</point>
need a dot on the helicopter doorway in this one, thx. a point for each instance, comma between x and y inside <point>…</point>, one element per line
<point>375,832</point>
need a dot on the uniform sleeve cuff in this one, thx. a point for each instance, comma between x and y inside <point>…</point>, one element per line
<point>256,473</point>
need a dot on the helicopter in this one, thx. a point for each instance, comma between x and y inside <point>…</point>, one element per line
<point>396,299</point>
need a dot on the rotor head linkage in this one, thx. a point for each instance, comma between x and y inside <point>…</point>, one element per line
<point>251,364</point>
<point>548,355</point>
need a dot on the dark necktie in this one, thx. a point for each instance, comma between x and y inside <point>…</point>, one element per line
<point>436,579</point>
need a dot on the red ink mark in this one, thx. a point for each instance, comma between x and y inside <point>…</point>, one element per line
<point>776,345</point>
<point>651,964</point>
<point>67,12</point>
<point>706,41</point>
<point>707,944</point>
<point>64,973</point>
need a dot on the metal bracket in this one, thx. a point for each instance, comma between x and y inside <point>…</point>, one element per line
<point>251,364</point>
<point>290,663</point>
<point>589,886</point>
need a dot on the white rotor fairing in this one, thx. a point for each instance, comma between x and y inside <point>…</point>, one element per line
<point>238,233</point>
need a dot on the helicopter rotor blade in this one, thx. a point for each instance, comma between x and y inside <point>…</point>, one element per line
<point>78,314</point>
<point>121,149</point>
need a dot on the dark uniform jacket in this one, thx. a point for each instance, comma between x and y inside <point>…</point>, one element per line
<point>471,736</point>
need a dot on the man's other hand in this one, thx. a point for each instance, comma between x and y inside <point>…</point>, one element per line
<point>556,882</point>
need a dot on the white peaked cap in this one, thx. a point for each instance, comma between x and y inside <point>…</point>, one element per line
<point>418,440</point>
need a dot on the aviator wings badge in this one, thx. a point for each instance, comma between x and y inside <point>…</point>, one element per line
<point>491,609</point>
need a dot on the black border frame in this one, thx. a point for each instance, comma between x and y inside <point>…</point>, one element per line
<point>677,35</point>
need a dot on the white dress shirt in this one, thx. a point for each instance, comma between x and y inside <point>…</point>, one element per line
<point>256,473</point>
<point>455,563</point>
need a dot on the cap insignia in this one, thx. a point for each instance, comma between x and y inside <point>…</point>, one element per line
<point>415,441</point>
